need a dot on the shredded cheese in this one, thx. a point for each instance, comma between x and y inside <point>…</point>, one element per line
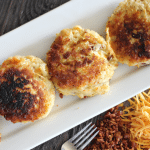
<point>138,115</point>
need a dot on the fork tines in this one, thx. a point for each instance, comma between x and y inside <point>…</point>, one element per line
<point>84,137</point>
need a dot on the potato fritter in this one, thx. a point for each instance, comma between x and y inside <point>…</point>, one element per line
<point>128,32</point>
<point>80,63</point>
<point>26,93</point>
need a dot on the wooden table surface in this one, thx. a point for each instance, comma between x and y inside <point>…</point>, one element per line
<point>14,13</point>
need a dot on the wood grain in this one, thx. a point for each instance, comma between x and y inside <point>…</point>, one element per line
<point>14,13</point>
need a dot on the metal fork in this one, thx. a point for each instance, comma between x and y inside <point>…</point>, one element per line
<point>80,140</point>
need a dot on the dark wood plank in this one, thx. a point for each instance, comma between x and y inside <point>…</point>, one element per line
<point>14,13</point>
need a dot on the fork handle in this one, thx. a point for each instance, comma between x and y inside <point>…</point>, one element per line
<point>68,146</point>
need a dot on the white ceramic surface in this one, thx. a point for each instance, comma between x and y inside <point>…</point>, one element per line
<point>35,38</point>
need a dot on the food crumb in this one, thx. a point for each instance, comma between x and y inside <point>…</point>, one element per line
<point>60,95</point>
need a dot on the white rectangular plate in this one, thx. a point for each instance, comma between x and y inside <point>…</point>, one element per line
<point>35,38</point>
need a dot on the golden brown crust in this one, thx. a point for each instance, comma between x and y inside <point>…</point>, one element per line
<point>23,93</point>
<point>128,31</point>
<point>75,62</point>
<point>67,74</point>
